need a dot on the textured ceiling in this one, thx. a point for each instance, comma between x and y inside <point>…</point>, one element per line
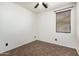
<point>40,8</point>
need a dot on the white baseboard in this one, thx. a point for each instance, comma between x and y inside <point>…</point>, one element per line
<point>77,51</point>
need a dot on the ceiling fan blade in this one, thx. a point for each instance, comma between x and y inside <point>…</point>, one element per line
<point>44,5</point>
<point>36,5</point>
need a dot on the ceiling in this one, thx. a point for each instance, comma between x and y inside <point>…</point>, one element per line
<point>40,8</point>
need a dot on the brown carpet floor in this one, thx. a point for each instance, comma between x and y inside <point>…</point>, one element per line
<point>40,48</point>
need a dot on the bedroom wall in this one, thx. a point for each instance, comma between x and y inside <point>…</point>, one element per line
<point>47,29</point>
<point>77,25</point>
<point>17,26</point>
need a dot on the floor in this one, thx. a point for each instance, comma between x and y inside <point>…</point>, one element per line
<point>40,48</point>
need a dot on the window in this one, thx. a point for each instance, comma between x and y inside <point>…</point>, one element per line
<point>63,22</point>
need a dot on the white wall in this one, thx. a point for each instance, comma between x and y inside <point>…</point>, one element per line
<point>77,25</point>
<point>47,29</point>
<point>17,26</point>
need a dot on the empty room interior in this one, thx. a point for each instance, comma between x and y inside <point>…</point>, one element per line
<point>39,28</point>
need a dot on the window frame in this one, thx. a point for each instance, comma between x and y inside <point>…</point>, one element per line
<point>69,23</point>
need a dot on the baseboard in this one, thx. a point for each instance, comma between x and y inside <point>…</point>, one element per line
<point>58,44</point>
<point>15,47</point>
<point>77,51</point>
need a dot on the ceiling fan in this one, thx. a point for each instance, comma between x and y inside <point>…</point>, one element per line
<point>44,4</point>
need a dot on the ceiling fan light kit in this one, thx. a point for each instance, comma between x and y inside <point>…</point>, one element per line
<point>41,3</point>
